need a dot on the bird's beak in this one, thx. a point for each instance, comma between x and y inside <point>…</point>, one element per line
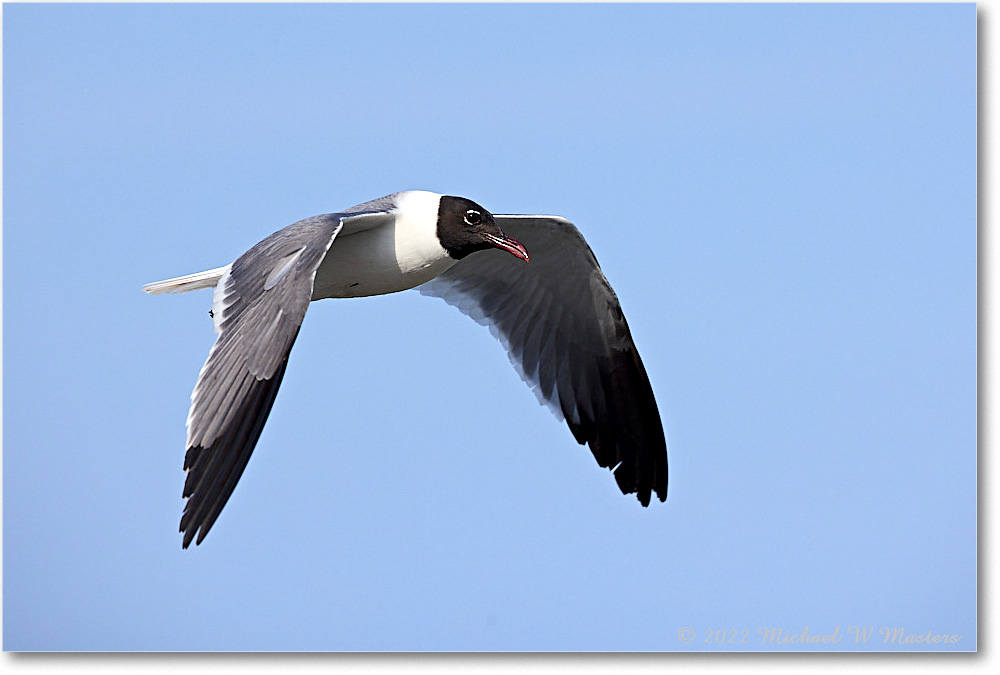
<point>512,246</point>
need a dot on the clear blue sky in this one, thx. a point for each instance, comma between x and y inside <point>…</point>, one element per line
<point>784,198</point>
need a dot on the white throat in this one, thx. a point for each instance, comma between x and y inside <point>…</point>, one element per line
<point>416,241</point>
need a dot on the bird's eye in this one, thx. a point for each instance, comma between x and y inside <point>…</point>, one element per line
<point>473,217</point>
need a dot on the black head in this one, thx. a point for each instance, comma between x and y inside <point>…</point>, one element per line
<point>464,227</point>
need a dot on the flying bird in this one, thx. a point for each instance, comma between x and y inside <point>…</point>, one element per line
<point>532,279</point>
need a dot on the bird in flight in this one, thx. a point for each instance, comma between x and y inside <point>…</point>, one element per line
<point>532,279</point>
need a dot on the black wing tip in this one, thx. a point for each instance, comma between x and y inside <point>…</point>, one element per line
<point>189,538</point>
<point>644,481</point>
<point>646,497</point>
<point>190,533</point>
<point>213,472</point>
<point>190,530</point>
<point>643,485</point>
<point>191,519</point>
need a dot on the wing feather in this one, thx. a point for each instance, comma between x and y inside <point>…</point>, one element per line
<point>565,333</point>
<point>259,305</point>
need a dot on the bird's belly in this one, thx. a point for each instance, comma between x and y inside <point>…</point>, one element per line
<point>367,263</point>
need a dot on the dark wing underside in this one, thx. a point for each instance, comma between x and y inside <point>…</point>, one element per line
<point>258,305</point>
<point>566,335</point>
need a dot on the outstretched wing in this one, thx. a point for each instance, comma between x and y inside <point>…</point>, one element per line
<point>258,306</point>
<point>564,330</point>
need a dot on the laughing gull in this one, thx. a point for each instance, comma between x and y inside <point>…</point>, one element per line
<point>557,316</point>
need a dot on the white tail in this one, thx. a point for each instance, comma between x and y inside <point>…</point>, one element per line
<point>189,282</point>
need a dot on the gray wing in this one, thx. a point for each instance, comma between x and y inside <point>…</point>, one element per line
<point>565,333</point>
<point>258,306</point>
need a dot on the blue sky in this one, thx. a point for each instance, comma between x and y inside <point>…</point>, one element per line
<point>784,198</point>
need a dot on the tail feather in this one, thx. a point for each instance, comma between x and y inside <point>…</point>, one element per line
<point>188,282</point>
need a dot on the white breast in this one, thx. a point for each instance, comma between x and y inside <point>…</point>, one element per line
<point>389,258</point>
